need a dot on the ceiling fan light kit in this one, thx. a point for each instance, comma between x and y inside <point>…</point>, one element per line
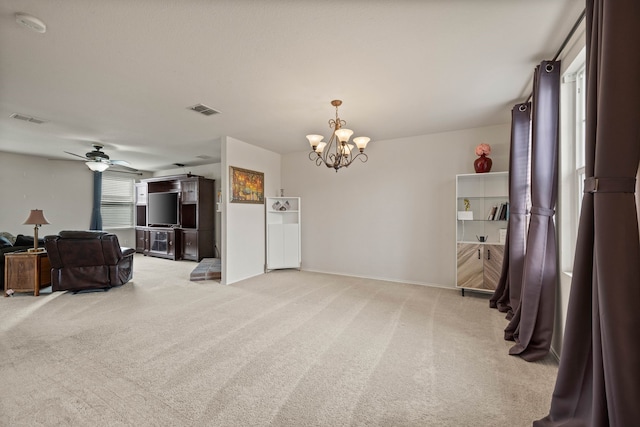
<point>337,153</point>
<point>97,166</point>
<point>98,161</point>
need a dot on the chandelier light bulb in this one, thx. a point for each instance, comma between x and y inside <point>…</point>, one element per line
<point>344,134</point>
<point>314,140</point>
<point>320,147</point>
<point>361,142</point>
<point>346,149</point>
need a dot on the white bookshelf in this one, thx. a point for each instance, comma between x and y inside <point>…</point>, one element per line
<point>479,235</point>
<point>283,233</point>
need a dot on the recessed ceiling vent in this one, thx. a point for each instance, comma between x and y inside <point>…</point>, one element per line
<point>27,118</point>
<point>203,109</point>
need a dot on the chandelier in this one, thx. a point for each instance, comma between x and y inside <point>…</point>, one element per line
<point>337,153</point>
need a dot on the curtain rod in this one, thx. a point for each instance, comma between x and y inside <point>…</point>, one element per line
<point>564,43</point>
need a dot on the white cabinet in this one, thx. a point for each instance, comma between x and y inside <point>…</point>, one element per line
<point>482,211</point>
<point>283,233</point>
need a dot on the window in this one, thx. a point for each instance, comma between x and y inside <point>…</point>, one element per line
<point>571,160</point>
<point>581,119</point>
<point>116,204</point>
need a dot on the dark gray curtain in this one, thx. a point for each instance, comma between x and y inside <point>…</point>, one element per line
<point>507,294</point>
<point>532,324</point>
<point>96,217</point>
<point>598,380</point>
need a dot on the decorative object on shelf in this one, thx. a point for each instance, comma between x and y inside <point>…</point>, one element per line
<point>483,163</point>
<point>37,219</point>
<point>337,153</point>
<point>287,205</point>
<point>282,192</point>
<point>482,239</point>
<point>276,206</point>
<point>466,214</point>
<point>247,186</point>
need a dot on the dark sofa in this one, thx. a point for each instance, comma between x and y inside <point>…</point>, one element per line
<point>22,243</point>
<point>85,260</point>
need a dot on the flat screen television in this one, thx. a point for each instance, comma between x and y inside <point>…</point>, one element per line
<point>162,209</point>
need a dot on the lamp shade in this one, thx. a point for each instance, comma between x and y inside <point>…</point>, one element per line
<point>97,166</point>
<point>314,140</point>
<point>344,134</point>
<point>361,142</point>
<point>36,217</point>
<point>320,147</point>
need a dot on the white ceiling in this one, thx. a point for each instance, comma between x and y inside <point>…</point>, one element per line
<point>122,73</point>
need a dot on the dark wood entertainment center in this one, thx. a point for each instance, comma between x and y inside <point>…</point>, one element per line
<point>192,237</point>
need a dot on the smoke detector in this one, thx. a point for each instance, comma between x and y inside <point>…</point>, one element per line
<point>31,22</point>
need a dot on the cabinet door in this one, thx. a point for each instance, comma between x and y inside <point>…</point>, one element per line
<point>291,250</point>
<point>275,245</point>
<point>141,240</point>
<point>141,193</point>
<point>493,256</point>
<point>189,191</point>
<point>190,245</point>
<point>171,240</point>
<point>470,266</point>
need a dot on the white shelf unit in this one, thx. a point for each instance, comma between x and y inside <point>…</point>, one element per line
<point>283,233</point>
<point>479,261</point>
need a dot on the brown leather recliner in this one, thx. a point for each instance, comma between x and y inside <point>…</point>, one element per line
<point>83,260</point>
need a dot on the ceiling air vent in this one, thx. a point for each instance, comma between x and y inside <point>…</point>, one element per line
<point>27,118</point>
<point>203,109</point>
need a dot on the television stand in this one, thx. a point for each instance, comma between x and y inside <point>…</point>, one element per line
<point>193,239</point>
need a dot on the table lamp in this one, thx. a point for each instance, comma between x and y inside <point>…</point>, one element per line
<point>36,218</point>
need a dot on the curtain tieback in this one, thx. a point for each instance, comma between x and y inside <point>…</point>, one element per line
<point>609,185</point>
<point>536,210</point>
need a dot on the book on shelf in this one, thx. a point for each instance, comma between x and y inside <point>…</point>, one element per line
<point>501,213</point>
<point>492,213</point>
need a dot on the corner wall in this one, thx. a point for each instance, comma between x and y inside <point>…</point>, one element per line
<point>63,189</point>
<point>243,230</point>
<point>393,217</point>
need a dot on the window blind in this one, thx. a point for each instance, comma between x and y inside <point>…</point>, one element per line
<point>116,204</point>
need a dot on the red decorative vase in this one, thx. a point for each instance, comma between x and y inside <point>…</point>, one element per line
<point>483,164</point>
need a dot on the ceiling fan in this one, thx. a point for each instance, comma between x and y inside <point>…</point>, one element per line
<point>98,161</point>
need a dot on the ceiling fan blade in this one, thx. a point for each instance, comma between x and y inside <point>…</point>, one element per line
<point>77,155</point>
<point>123,167</point>
<point>120,162</point>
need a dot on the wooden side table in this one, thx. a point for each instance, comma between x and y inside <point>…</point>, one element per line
<point>26,271</point>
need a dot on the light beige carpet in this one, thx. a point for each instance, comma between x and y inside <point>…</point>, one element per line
<point>287,348</point>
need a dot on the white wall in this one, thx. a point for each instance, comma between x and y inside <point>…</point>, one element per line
<point>243,230</point>
<point>393,217</point>
<point>211,171</point>
<point>62,189</point>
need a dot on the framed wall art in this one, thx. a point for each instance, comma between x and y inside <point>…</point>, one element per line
<point>247,186</point>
